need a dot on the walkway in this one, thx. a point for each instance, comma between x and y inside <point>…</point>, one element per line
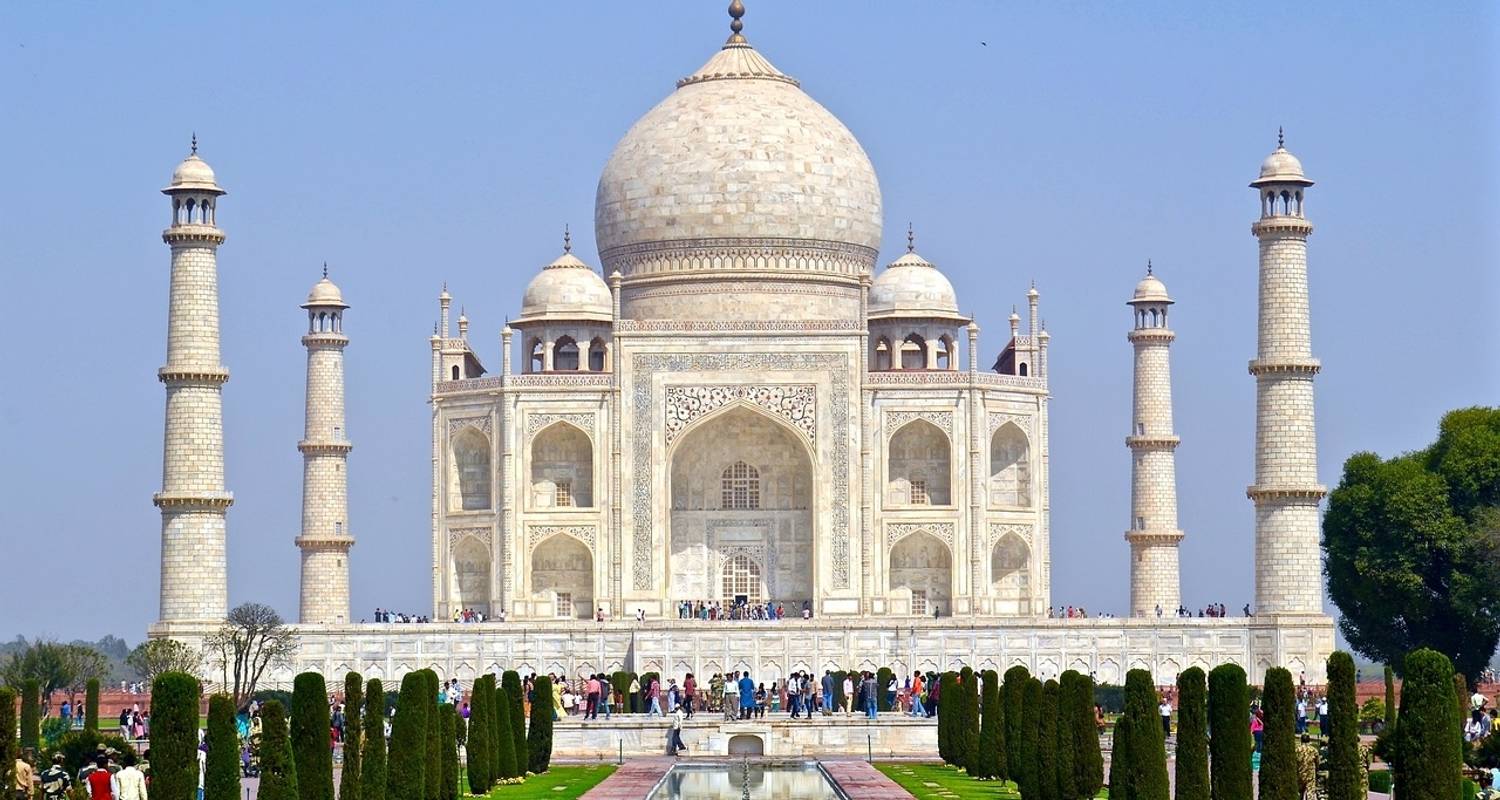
<point>632,780</point>
<point>860,779</point>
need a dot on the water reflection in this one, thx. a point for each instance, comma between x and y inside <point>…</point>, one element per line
<point>735,782</point>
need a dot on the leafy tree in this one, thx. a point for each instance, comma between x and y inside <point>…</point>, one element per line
<point>448,729</point>
<point>1346,778</point>
<point>1047,749</point>
<point>1143,764</point>
<point>499,767</point>
<point>1067,750</point>
<point>1088,763</point>
<point>78,748</point>
<point>883,678</point>
<point>174,736</point>
<point>407,755</point>
<point>349,777</point>
<point>31,714</point>
<point>91,705</point>
<point>310,737</point>
<point>511,765</point>
<point>372,778</point>
<point>946,718</point>
<point>278,770</point>
<point>1192,736</point>
<point>221,771</point>
<point>1230,747</point>
<point>477,748</point>
<point>1390,698</point>
<point>1013,694</point>
<point>967,731</point>
<point>53,666</point>
<point>252,639</point>
<point>539,734</point>
<point>1119,767</point>
<point>8,747</point>
<point>1278,757</point>
<point>991,729</point>
<point>155,656</point>
<point>1412,546</point>
<point>1427,749</point>
<point>516,694</point>
<point>433,772</point>
<point>1028,777</point>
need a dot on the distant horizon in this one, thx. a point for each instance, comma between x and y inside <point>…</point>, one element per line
<point>408,149</point>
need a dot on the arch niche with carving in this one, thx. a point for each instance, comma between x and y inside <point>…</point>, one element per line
<point>471,574</point>
<point>469,473</point>
<point>742,502</point>
<point>1010,467</point>
<point>563,564</point>
<point>562,468</point>
<point>922,563</point>
<point>919,466</point>
<point>1010,575</point>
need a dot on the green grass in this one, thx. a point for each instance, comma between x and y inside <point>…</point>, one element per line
<point>557,783</point>
<point>942,782</point>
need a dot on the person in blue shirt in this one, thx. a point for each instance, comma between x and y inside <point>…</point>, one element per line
<point>827,692</point>
<point>747,696</point>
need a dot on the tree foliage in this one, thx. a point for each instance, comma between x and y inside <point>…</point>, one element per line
<point>448,730</point>
<point>991,728</point>
<point>433,772</point>
<point>372,777</point>
<point>1013,694</point>
<point>155,656</point>
<point>1142,771</point>
<point>406,760</point>
<point>8,746</point>
<point>1088,764</point>
<point>539,733</point>
<point>252,639</point>
<point>477,748</point>
<point>967,724</point>
<point>1278,755</point>
<point>516,694</point>
<point>1047,748</point>
<point>174,736</point>
<point>349,774</point>
<point>946,718</point>
<point>1410,546</point>
<point>1192,736</point>
<point>310,727</point>
<point>1229,749</point>
<point>54,666</point>
<point>221,772</point>
<point>1427,735</point>
<point>31,714</point>
<point>511,765</point>
<point>1346,779</point>
<point>1027,776</point>
<point>278,769</point>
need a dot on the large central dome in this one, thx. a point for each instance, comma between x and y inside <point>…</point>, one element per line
<point>737,177</point>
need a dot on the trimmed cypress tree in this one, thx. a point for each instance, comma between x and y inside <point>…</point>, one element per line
<point>1192,735</point>
<point>477,746</point>
<point>1345,768</point>
<point>433,771</point>
<point>407,756</point>
<point>991,729</point>
<point>1119,788</point>
<point>1047,749</point>
<point>1230,747</point>
<point>349,776</point>
<point>510,766</point>
<point>946,716</point>
<point>1013,694</point>
<point>90,705</point>
<point>1067,740</point>
<point>539,735</point>
<point>221,769</point>
<point>278,769</point>
<point>1029,778</point>
<point>174,736</point>
<point>1088,761</point>
<point>372,755</point>
<point>1427,751</point>
<point>8,747</point>
<point>31,714</point>
<point>967,733</point>
<point>1390,697</point>
<point>1145,762</point>
<point>310,737</point>
<point>499,767</point>
<point>883,678</point>
<point>1278,758</point>
<point>516,694</point>
<point>448,730</point>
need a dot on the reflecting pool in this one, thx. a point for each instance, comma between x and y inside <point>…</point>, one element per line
<point>742,781</point>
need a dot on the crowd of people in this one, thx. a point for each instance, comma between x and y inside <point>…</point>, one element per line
<point>713,610</point>
<point>386,615</point>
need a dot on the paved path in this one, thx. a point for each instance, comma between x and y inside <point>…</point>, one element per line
<point>860,779</point>
<point>632,780</point>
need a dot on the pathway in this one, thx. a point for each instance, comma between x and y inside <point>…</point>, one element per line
<point>632,780</point>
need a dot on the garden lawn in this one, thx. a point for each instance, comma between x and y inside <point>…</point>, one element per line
<point>942,782</point>
<point>558,783</point>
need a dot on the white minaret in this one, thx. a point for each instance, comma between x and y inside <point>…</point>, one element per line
<point>193,501</point>
<point>325,539</point>
<point>1155,584</point>
<point>1288,575</point>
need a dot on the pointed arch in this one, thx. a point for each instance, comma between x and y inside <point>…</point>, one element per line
<point>919,465</point>
<point>469,477</point>
<point>883,354</point>
<point>562,467</point>
<point>1010,467</point>
<point>536,360</point>
<point>921,563</point>
<point>598,354</point>
<point>471,573</point>
<point>1010,575</point>
<point>565,355</point>
<point>563,564</point>
<point>914,352</point>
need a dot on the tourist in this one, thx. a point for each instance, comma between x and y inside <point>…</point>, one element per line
<point>689,686</point>
<point>1099,722</point>
<point>591,703</point>
<point>827,691</point>
<point>1165,709</point>
<point>762,698</point>
<point>100,781</point>
<point>868,690</point>
<point>807,696</point>
<point>848,692</point>
<point>793,701</point>
<point>25,775</point>
<point>55,781</point>
<point>731,700</point>
<point>1302,714</point>
<point>934,695</point>
<point>918,689</point>
<point>674,734</point>
<point>78,715</point>
<point>130,784</point>
<point>653,697</point>
<point>890,691</point>
<point>1323,716</point>
<point>747,696</point>
<point>1257,726</point>
<point>557,697</point>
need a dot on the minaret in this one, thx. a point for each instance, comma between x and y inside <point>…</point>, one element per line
<point>1155,582</point>
<point>193,501</point>
<point>325,539</point>
<point>1288,572</point>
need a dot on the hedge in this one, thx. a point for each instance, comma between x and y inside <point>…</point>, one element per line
<point>372,753</point>
<point>90,706</point>
<point>991,729</point>
<point>1345,767</point>
<point>78,748</point>
<point>349,776</point>
<point>500,767</point>
<point>504,746</point>
<point>516,694</point>
<point>477,747</point>
<point>310,727</point>
<point>221,769</point>
<point>883,677</point>
<point>1029,778</point>
<point>407,755</point>
<point>1427,751</point>
<point>449,731</point>
<point>539,734</point>
<point>1229,749</point>
<point>946,717</point>
<point>1048,762</point>
<point>1144,763</point>
<point>968,720</point>
<point>433,771</point>
<point>1118,768</point>
<point>1067,747</point>
<point>1012,694</point>
<point>31,714</point>
<point>1278,757</point>
<point>174,736</point>
<point>8,749</point>
<point>278,770</point>
<point>1088,763</point>
<point>1192,735</point>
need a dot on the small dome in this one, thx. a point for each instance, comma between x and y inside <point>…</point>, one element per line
<point>910,286</point>
<point>193,175</point>
<point>1281,167</point>
<point>1151,290</point>
<point>325,293</point>
<point>567,289</point>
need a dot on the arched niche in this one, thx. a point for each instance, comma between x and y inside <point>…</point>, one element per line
<point>564,565</point>
<point>918,466</point>
<point>471,573</point>
<point>469,484</point>
<point>1010,575</point>
<point>921,563</point>
<point>1010,467</point>
<point>562,468</point>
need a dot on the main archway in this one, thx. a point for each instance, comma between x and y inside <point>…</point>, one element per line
<point>742,512</point>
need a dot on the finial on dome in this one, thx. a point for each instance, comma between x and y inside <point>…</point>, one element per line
<point>1280,138</point>
<point>736,10</point>
<point>195,143</point>
<point>1148,266</point>
<point>325,269</point>
<point>567,239</point>
<point>911,239</point>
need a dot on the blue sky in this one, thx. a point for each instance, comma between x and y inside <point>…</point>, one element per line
<point>411,144</point>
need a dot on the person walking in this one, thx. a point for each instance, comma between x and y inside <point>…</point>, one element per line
<point>653,696</point>
<point>56,781</point>
<point>1165,709</point>
<point>807,695</point>
<point>1302,715</point>
<point>868,690</point>
<point>25,775</point>
<point>827,692</point>
<point>674,734</point>
<point>747,696</point>
<point>918,689</point>
<point>689,688</point>
<point>130,783</point>
<point>100,781</point>
<point>848,693</point>
<point>731,702</point>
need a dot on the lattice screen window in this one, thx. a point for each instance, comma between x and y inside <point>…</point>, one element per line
<point>564,494</point>
<point>565,604</point>
<point>741,577</point>
<point>741,487</point>
<point>919,492</point>
<point>919,601</point>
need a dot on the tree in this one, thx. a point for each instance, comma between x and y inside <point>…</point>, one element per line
<point>433,771</point>
<point>252,639</point>
<point>539,734</point>
<point>1067,750</point>
<point>1119,767</point>
<point>1229,749</point>
<point>407,755</point>
<point>1427,747</point>
<point>1088,763</point>
<point>503,744</point>
<point>1013,694</point>
<point>991,728</point>
<point>372,757</point>
<point>1028,779</point>
<point>967,729</point>
<point>310,727</point>
<point>1278,756</point>
<point>946,718</point>
<point>91,705</point>
<point>883,677</point>
<point>349,776</point>
<point>174,736</point>
<point>155,656</point>
<point>499,766</point>
<point>221,771</point>
<point>31,714</point>
<point>1390,697</point>
<point>1346,778</point>
<point>53,666</point>
<point>516,694</point>
<point>448,729</point>
<point>1412,546</point>
<point>1192,736</point>
<point>477,747</point>
<point>1047,749</point>
<point>8,748</point>
<point>1142,772</point>
<point>278,770</point>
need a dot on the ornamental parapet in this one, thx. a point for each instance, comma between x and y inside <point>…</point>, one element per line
<point>849,326</point>
<point>207,376</point>
<point>1285,366</point>
<point>193,234</point>
<point>1152,442</point>
<point>1151,335</point>
<point>556,381</point>
<point>193,501</point>
<point>324,448</point>
<point>1281,225</point>
<point>1153,537</point>
<point>947,377</point>
<point>338,340</point>
<point>1259,494</point>
<point>335,543</point>
<point>775,257</point>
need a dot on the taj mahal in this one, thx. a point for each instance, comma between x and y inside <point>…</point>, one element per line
<point>736,402</point>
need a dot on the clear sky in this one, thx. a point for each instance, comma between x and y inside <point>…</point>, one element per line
<point>409,144</point>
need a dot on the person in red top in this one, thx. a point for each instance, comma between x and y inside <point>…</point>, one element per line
<point>101,782</point>
<point>689,687</point>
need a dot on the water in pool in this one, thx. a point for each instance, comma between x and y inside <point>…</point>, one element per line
<point>737,782</point>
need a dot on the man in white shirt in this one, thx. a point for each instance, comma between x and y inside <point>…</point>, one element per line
<point>1302,715</point>
<point>1165,709</point>
<point>130,782</point>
